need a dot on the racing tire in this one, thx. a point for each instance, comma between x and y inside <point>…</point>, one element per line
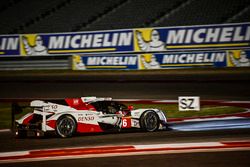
<point>65,126</point>
<point>149,121</point>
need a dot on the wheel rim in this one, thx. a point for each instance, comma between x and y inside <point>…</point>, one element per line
<point>151,121</point>
<point>66,127</point>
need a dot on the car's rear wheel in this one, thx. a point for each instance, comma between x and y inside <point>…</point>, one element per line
<point>65,126</point>
<point>149,121</point>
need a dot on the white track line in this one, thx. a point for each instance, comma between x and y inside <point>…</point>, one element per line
<point>178,145</point>
<point>14,153</point>
<point>5,130</point>
<point>121,154</point>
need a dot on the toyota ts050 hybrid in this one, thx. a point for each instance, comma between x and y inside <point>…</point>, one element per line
<point>85,115</point>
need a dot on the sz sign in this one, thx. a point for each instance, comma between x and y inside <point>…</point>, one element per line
<point>189,103</point>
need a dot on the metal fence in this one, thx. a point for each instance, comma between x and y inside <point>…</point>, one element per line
<point>35,63</point>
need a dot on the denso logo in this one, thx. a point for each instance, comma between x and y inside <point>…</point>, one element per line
<point>84,119</point>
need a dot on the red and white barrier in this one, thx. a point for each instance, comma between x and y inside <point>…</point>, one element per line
<point>110,151</point>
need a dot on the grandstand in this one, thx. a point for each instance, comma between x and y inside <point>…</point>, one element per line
<point>36,16</point>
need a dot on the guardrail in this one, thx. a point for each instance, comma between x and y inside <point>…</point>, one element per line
<point>35,63</point>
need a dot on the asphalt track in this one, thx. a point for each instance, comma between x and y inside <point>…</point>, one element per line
<point>224,158</point>
<point>142,90</point>
<point>160,86</point>
<point>214,85</point>
<point>205,159</point>
<point>10,143</point>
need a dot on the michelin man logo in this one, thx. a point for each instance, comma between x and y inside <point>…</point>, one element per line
<point>152,64</point>
<point>78,63</point>
<point>154,44</point>
<point>37,49</point>
<point>242,61</point>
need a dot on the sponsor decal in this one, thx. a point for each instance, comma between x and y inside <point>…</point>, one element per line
<point>135,123</point>
<point>70,43</point>
<point>33,45</point>
<point>104,62</point>
<point>149,61</point>
<point>192,37</point>
<point>238,58</point>
<point>182,60</point>
<point>228,58</point>
<point>76,102</point>
<point>147,40</point>
<point>49,108</point>
<point>139,40</point>
<point>86,119</point>
<point>126,122</point>
<point>187,58</point>
<point>9,45</point>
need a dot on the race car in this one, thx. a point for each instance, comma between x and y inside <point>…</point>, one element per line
<point>86,115</point>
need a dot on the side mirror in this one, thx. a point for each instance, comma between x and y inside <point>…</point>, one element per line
<point>130,108</point>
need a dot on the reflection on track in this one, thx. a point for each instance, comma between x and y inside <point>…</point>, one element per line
<point>9,143</point>
<point>206,159</point>
<point>213,124</point>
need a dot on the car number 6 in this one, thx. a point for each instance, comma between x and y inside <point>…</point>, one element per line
<point>124,123</point>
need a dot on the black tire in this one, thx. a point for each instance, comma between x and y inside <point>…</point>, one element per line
<point>65,126</point>
<point>149,121</point>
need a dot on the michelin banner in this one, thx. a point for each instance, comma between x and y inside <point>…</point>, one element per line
<point>142,40</point>
<point>107,41</point>
<point>192,38</point>
<point>229,58</point>
<point>9,45</point>
<point>109,62</point>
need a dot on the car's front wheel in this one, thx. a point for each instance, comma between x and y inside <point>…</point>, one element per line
<point>149,121</point>
<point>65,126</point>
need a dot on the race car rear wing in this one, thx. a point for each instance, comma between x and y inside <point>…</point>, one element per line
<point>16,109</point>
<point>38,103</point>
<point>38,106</point>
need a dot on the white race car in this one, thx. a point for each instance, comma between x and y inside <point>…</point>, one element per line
<point>85,115</point>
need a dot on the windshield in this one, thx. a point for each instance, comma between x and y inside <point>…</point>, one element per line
<point>109,106</point>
